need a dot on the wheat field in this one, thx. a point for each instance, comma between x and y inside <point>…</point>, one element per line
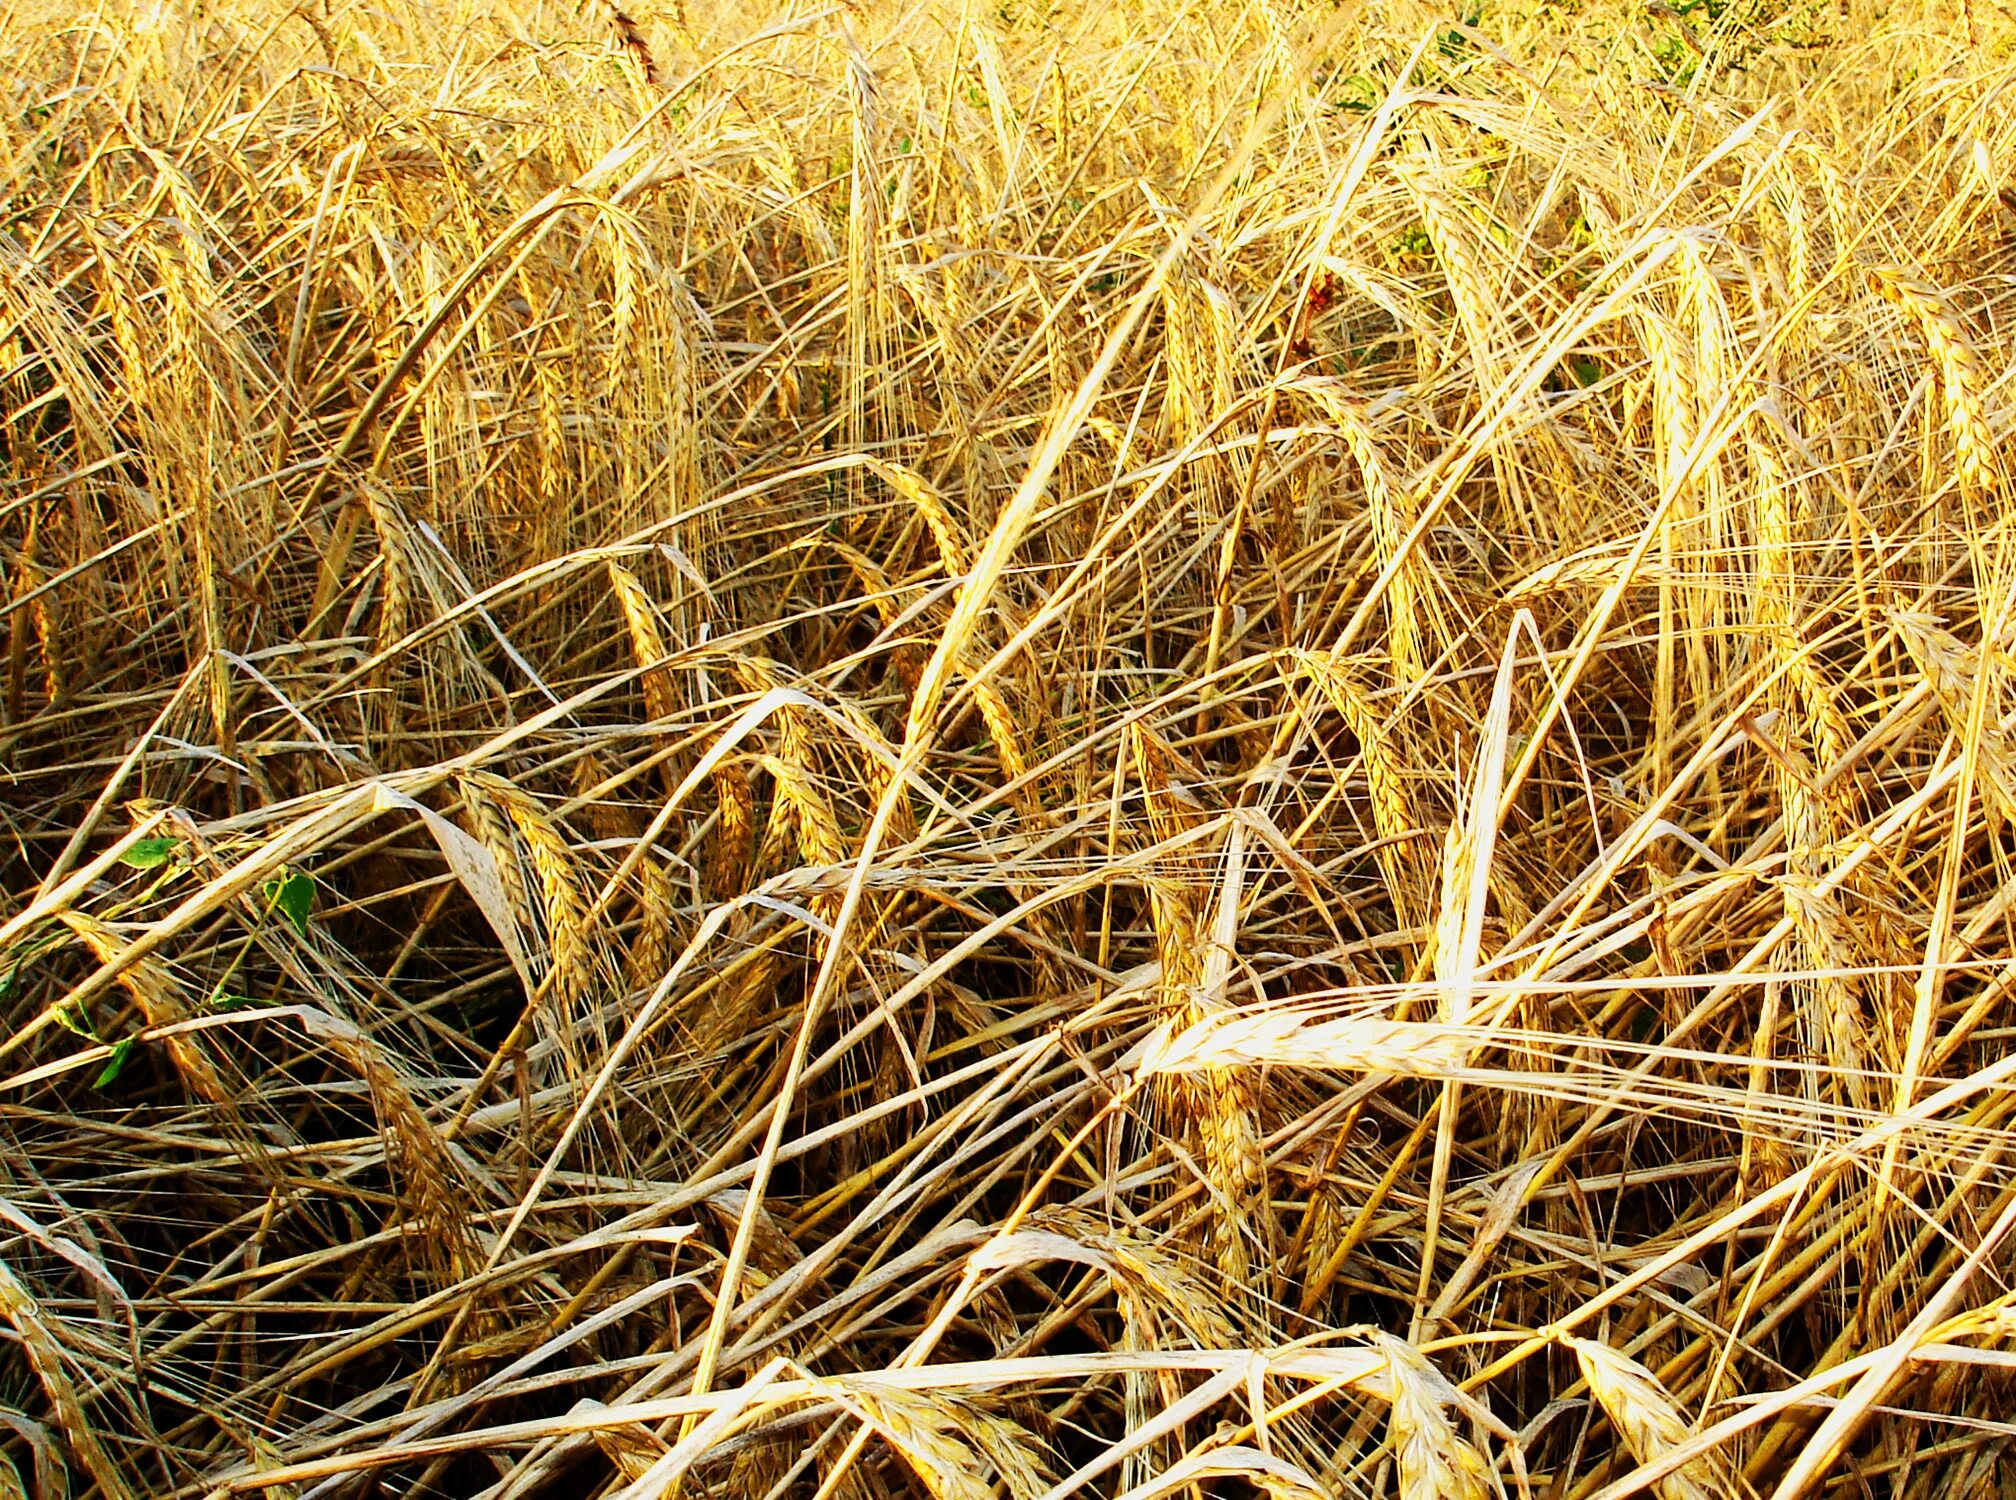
<point>965,750</point>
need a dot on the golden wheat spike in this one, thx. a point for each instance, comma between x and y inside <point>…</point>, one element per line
<point>46,1358</point>
<point>647,640</point>
<point>1962,382</point>
<point>1647,1418</point>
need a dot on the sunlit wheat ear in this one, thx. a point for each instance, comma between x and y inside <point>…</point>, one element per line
<point>1832,1020</point>
<point>631,1450</point>
<point>1162,1294</point>
<point>1370,1044</point>
<point>1436,1461</point>
<point>651,883</point>
<point>949,1446</point>
<point>397,567</point>
<point>415,1150</point>
<point>41,611</point>
<point>491,824</point>
<point>819,838</point>
<point>999,718</point>
<point>1592,568</point>
<point>1962,381</point>
<point>1459,258</point>
<point>647,640</point>
<point>563,905</point>
<point>45,1355</point>
<point>1213,1106</point>
<point>633,41</point>
<point>1015,1453</point>
<point>1784,517</point>
<point>1647,1418</point>
<point>731,849</point>
<point>1400,858</point>
<point>946,533</point>
<point>161,1001</point>
<point>954,555</point>
<point>1217,1106</point>
<point>651,950</point>
<point>1384,498</point>
<point>1951,668</point>
<point>1826,1006</point>
<point>800,811</point>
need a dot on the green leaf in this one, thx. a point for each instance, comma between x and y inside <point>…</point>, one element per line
<point>122,1054</point>
<point>293,895</point>
<point>1359,93</point>
<point>66,1016</point>
<point>150,854</point>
